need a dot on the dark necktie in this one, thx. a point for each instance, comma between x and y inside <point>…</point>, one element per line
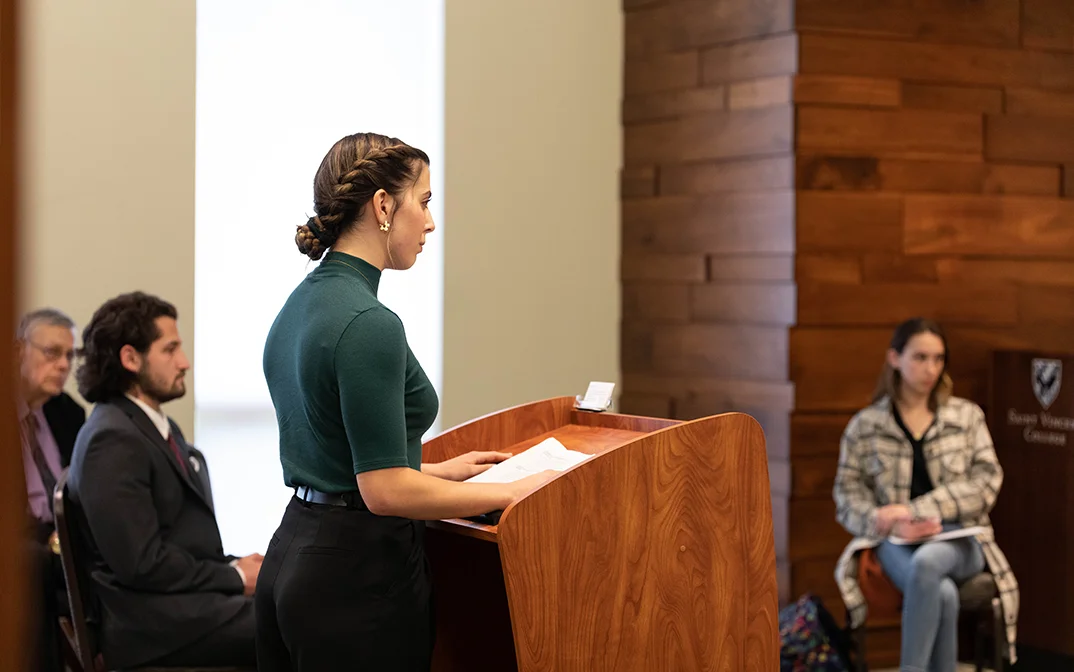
<point>47,478</point>
<point>178,454</point>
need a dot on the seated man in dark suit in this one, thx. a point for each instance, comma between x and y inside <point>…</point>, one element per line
<point>168,595</point>
<point>49,420</point>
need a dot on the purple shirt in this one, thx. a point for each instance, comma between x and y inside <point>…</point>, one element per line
<point>38,499</point>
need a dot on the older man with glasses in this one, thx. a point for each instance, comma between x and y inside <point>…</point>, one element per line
<point>49,421</point>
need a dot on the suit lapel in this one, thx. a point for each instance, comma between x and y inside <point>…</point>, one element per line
<point>195,466</point>
<point>146,426</point>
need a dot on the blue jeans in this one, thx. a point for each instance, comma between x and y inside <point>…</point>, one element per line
<point>928,576</point>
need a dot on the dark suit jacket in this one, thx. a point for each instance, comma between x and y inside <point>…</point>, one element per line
<point>65,417</point>
<point>156,561</point>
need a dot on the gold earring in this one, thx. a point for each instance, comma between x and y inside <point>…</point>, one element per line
<point>386,225</point>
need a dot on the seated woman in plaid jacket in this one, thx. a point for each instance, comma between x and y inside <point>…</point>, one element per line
<point>915,462</point>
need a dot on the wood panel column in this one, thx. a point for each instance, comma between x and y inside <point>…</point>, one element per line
<point>14,645</point>
<point>801,176</point>
<point>708,218</point>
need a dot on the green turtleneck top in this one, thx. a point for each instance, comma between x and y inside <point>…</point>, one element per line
<point>349,394</point>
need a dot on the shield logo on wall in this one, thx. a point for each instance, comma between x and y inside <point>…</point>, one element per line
<point>1047,378</point>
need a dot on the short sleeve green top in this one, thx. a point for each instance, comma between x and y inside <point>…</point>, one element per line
<point>349,394</point>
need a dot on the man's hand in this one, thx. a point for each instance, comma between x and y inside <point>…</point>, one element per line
<point>916,530</point>
<point>890,515</point>
<point>251,567</point>
<point>465,466</point>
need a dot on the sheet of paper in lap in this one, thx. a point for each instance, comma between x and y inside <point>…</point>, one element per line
<point>942,536</point>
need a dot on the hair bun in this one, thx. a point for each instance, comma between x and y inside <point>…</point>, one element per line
<point>308,242</point>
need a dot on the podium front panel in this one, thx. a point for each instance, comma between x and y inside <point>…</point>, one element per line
<point>1031,418</point>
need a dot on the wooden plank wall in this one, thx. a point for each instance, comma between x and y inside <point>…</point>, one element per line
<point>930,172</point>
<point>708,218</point>
<point>935,176</point>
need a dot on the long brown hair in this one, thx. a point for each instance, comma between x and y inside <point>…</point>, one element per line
<point>890,379</point>
<point>350,174</point>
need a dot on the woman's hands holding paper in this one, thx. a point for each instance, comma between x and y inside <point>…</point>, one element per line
<point>897,520</point>
<point>917,530</point>
<point>465,466</point>
<point>888,516</point>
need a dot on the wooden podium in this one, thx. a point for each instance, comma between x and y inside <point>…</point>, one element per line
<point>658,554</point>
<point>1031,416</point>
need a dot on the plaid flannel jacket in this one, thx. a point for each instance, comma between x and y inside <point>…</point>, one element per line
<point>875,467</point>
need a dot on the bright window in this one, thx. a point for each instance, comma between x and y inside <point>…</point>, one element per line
<point>277,84</point>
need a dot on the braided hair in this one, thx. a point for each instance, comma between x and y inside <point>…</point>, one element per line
<point>350,174</point>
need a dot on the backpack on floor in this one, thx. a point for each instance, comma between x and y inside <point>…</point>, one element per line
<point>809,638</point>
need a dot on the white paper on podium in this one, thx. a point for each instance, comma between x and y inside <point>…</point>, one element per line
<point>548,454</point>
<point>942,536</point>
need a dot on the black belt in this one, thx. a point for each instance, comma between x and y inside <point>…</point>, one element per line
<point>349,500</point>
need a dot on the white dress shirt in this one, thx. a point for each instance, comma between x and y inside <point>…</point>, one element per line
<point>160,421</point>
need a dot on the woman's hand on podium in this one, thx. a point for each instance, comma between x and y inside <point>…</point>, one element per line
<point>524,486</point>
<point>465,466</point>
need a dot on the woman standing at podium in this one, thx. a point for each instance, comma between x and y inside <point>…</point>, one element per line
<point>916,462</point>
<point>345,584</point>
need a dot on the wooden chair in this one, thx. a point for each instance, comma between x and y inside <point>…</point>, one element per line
<point>978,599</point>
<point>80,643</point>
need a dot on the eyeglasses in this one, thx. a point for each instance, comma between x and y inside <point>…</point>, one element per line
<point>54,352</point>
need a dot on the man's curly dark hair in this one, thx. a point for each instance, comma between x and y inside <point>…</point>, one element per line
<point>128,319</point>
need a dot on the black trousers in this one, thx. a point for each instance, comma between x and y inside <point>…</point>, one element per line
<point>343,589</point>
<point>230,645</point>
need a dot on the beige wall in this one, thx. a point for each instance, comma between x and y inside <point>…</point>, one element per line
<point>531,221</point>
<point>108,159</point>
<point>531,225</point>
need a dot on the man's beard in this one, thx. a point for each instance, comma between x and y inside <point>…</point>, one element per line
<point>158,393</point>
